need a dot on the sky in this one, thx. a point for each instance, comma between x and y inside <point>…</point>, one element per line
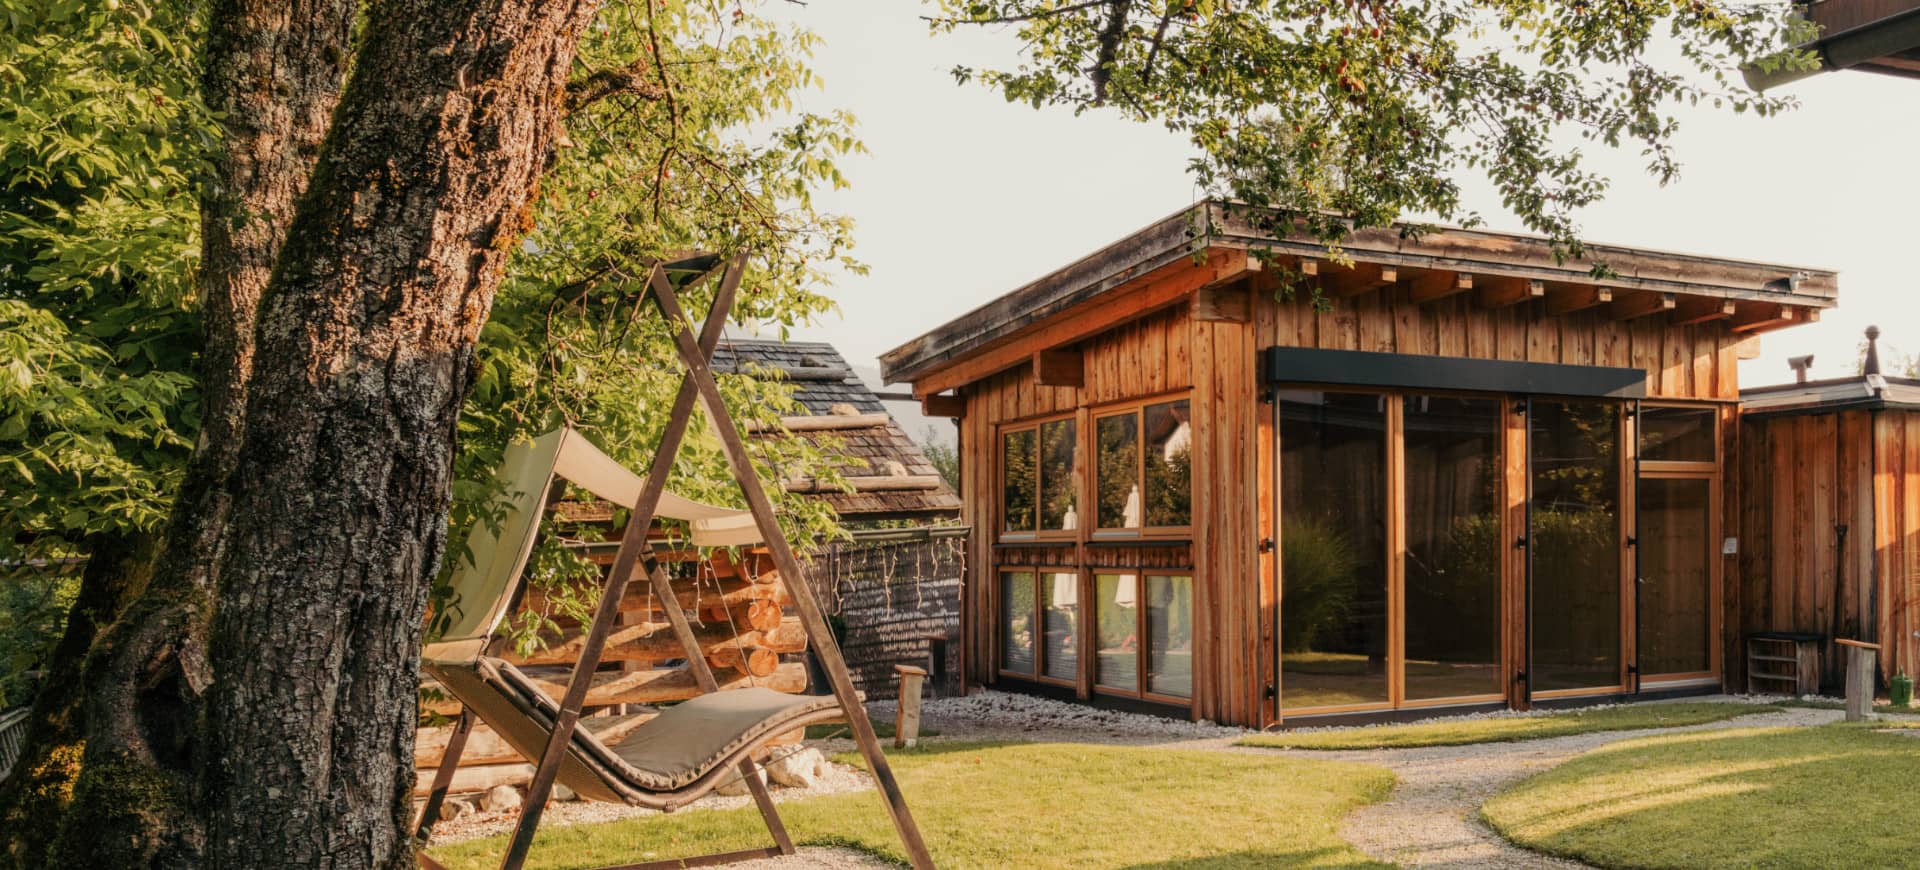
<point>964,196</point>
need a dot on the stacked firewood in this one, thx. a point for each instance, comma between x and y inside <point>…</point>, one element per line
<point>742,617</point>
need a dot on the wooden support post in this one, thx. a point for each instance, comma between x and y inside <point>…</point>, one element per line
<point>906,723</point>
<point>443,776</point>
<point>1499,291</point>
<point>1861,677</point>
<point>1439,285</point>
<point>1059,367</point>
<point>1762,316</point>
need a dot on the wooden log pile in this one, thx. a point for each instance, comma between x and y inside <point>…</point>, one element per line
<point>747,632</point>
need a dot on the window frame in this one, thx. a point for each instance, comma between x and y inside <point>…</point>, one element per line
<point>1137,408</point>
<point>1034,425</point>
<point>1711,471</point>
<point>1141,653</point>
<point>1034,574</point>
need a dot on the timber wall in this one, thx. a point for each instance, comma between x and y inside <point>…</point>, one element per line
<point>1167,351</point>
<point>1807,475</point>
<point>890,598</point>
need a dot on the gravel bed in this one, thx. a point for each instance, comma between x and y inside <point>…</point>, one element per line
<point>989,715</point>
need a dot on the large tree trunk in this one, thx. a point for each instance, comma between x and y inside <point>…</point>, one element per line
<point>36,792</point>
<point>273,72</point>
<point>339,498</point>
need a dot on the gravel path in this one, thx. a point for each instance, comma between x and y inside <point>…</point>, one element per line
<point>1433,816</point>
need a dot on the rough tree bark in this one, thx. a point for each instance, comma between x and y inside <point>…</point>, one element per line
<point>273,71</point>
<point>365,346</point>
<point>36,792</point>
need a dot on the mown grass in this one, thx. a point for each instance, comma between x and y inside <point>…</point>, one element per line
<point>1832,796</point>
<point>1460,732</point>
<point>1027,805</point>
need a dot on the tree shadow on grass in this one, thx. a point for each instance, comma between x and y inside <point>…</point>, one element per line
<point>1333,859</point>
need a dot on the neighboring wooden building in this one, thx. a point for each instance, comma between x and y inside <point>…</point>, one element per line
<point>1830,519</point>
<point>1877,36</point>
<point>1195,495</point>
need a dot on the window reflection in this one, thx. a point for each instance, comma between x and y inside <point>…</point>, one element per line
<point>1333,623</point>
<point>1168,464</point>
<point>1574,542</point>
<point>1170,635</point>
<point>1062,589</point>
<point>1059,476</point>
<point>1019,486</point>
<point>1118,443</point>
<point>1117,609</point>
<point>1676,556</point>
<point>1452,560</point>
<point>1016,621</point>
<point>1676,434</point>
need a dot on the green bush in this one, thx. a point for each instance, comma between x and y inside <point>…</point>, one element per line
<point>1318,565</point>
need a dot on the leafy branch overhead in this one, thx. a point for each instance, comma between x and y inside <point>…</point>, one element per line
<point>1358,113</point>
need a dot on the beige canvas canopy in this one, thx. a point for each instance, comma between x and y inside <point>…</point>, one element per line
<point>484,582</point>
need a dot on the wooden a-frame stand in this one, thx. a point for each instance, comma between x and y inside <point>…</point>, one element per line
<point>697,384</point>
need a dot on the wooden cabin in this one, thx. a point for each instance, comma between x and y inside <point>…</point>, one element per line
<point>1830,517</point>
<point>1876,36</point>
<point>1214,473</point>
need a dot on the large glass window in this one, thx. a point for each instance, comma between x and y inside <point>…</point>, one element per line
<point>1117,609</point>
<point>1676,561</point>
<point>1062,659</point>
<point>1453,550</point>
<point>1040,477</point>
<point>1117,439</point>
<point>1169,469</point>
<point>1669,434</point>
<point>1016,622</point>
<point>1575,544</point>
<point>1170,635</point>
<point>1059,476</point>
<point>1333,610</point>
<point>1145,472</point>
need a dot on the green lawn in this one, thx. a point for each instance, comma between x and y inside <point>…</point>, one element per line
<point>1029,805</point>
<point>1833,796</point>
<point>1458,732</point>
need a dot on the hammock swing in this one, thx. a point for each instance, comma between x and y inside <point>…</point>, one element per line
<point>696,745</point>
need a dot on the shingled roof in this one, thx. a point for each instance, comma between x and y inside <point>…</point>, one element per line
<point>896,481</point>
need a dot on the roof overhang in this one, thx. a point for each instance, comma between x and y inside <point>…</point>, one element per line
<point>1216,242</point>
<point>1879,36</point>
<point>1867,392</point>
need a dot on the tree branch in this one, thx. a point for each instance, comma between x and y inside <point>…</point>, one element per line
<point>635,80</point>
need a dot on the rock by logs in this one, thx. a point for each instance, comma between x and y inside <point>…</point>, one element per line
<point>650,642</point>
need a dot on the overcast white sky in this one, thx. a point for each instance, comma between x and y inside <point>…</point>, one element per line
<point>965,196</point>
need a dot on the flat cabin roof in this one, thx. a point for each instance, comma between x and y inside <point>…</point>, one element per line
<point>1877,36</point>
<point>1865,392</point>
<point>1214,242</point>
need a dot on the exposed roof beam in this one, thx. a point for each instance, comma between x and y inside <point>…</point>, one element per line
<point>1688,310</point>
<point>1500,291</point>
<point>1362,278</point>
<point>824,423</point>
<point>1438,285</point>
<point>1566,300</point>
<point>1059,368</point>
<point>1761,316</point>
<point>1641,304</point>
<point>940,405</point>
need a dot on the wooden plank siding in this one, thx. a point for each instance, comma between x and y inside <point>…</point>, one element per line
<point>1804,477</point>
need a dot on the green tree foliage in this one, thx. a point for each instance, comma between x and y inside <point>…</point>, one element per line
<point>1320,568</point>
<point>1354,114</point>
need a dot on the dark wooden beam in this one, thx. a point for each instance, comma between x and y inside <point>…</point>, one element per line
<point>1566,300</point>
<point>944,405</point>
<point>1231,303</point>
<point>1761,316</point>
<point>1499,291</point>
<point>1362,278</point>
<point>1060,368</point>
<point>1438,285</point>
<point>1688,310</point>
<point>1641,303</point>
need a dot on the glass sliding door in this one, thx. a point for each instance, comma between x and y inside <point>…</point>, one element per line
<point>1676,563</point>
<point>1334,639</point>
<point>1574,543</point>
<point>1452,573</point>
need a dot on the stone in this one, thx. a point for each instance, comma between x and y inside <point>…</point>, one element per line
<point>453,808</point>
<point>501,798</point>
<point>800,769</point>
<point>736,785</point>
<point>562,793</point>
